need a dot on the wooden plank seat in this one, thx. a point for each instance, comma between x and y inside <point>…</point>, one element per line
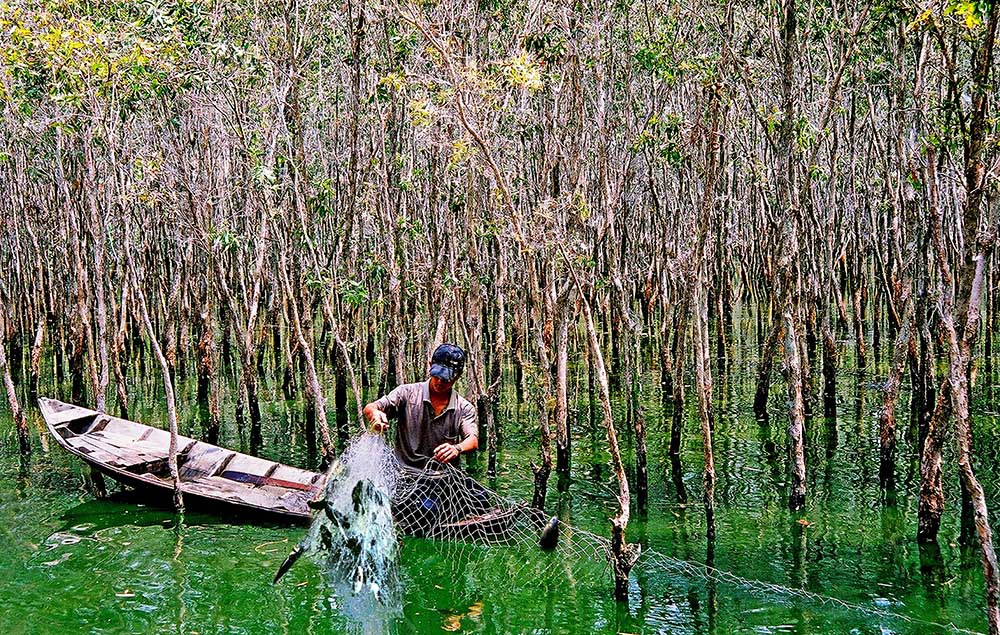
<point>286,473</point>
<point>96,453</point>
<point>204,460</point>
<point>136,458</point>
<point>258,472</point>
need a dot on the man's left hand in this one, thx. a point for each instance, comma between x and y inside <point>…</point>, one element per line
<point>446,452</point>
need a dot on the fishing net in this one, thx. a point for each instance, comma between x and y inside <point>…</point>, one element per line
<point>353,535</point>
<point>371,499</point>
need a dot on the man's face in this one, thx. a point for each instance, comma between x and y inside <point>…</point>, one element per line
<point>439,385</point>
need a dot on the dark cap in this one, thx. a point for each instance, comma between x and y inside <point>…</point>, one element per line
<point>447,362</point>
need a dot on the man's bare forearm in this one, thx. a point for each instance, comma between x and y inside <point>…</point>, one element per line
<point>468,444</point>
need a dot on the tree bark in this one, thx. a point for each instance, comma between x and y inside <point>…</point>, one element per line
<point>623,554</point>
<point>17,413</point>
<point>887,420</point>
<point>764,366</point>
<point>703,370</point>
<point>562,398</point>
<point>168,390</point>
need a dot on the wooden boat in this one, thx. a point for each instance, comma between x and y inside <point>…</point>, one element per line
<point>136,455</point>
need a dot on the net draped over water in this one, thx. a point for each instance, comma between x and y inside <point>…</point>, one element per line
<point>371,500</point>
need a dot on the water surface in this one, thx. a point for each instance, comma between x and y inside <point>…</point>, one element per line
<point>75,564</point>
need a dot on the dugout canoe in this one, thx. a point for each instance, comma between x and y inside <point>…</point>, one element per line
<point>135,455</point>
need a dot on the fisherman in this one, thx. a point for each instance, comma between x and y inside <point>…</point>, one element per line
<point>432,420</point>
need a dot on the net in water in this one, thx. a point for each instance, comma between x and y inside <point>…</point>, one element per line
<point>353,535</point>
<point>371,499</point>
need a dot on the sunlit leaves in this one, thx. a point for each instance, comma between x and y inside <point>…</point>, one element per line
<point>72,53</point>
<point>461,150</point>
<point>394,82</point>
<point>971,13</point>
<point>523,72</point>
<point>421,112</point>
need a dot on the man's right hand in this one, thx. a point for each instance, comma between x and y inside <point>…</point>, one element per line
<point>380,423</point>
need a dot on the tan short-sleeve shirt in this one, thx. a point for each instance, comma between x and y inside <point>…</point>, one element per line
<point>418,431</point>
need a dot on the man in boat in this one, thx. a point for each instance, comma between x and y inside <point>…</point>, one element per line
<point>432,420</point>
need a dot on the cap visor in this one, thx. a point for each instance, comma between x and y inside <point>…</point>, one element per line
<point>442,372</point>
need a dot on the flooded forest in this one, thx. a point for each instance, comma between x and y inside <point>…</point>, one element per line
<point>669,235</point>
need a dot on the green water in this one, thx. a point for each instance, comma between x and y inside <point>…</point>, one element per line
<point>73,564</point>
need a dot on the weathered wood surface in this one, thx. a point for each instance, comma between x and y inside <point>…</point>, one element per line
<point>136,455</point>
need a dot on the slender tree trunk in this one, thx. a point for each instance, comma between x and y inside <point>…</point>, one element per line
<point>249,376</point>
<point>829,368</point>
<point>930,507</point>
<point>562,398</point>
<point>544,303</point>
<point>119,355</point>
<point>703,369</point>
<point>340,402</point>
<point>35,364</point>
<point>859,328</point>
<point>796,414</point>
<point>101,374</point>
<point>20,423</point>
<point>623,554</point>
<point>677,419</point>
<point>666,359</point>
<point>168,391</point>
<point>931,504</point>
<point>764,367</point>
<point>314,392</point>
<point>958,378</point>
<point>207,379</point>
<point>887,420</point>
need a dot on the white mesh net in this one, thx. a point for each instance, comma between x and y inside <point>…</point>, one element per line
<point>372,499</point>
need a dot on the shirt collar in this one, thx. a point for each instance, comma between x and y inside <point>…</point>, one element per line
<point>425,389</point>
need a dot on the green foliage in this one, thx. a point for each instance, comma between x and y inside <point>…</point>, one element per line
<point>71,53</point>
<point>522,71</point>
<point>656,56</point>
<point>461,150</point>
<point>548,45</point>
<point>323,198</point>
<point>354,293</point>
<point>971,13</point>
<point>223,240</point>
<point>317,280</point>
<point>402,43</point>
<point>410,227</point>
<point>374,268</point>
<point>659,53</point>
<point>662,136</point>
<point>421,112</point>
